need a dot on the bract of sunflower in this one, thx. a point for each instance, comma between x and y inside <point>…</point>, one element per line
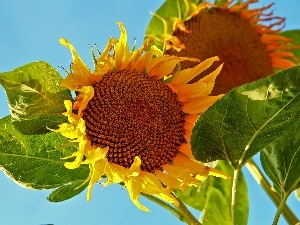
<point>246,39</point>
<point>133,118</point>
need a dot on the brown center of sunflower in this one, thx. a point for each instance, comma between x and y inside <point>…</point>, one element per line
<point>135,115</point>
<point>218,32</point>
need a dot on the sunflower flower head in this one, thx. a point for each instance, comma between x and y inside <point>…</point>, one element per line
<point>133,118</point>
<point>246,40</point>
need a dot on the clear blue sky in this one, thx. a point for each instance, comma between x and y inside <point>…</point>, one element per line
<point>30,31</point>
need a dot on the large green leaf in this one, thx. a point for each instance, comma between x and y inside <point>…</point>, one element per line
<point>35,97</point>
<point>34,161</point>
<point>217,209</point>
<point>281,162</point>
<point>162,23</point>
<point>218,189</point>
<point>293,34</point>
<point>248,119</point>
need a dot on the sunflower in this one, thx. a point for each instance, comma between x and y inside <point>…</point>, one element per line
<point>133,119</point>
<point>246,40</point>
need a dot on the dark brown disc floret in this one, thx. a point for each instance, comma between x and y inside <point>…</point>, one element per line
<point>135,115</point>
<point>219,32</point>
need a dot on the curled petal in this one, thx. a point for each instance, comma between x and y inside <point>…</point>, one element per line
<point>86,93</point>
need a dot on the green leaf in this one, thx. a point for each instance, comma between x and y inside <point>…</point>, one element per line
<point>67,191</point>
<point>35,97</point>
<point>281,160</point>
<point>162,23</point>
<point>34,161</point>
<point>198,197</point>
<point>248,119</point>
<point>293,34</point>
<point>216,208</point>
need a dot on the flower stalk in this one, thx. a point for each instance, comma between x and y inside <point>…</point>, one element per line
<point>233,195</point>
<point>274,196</point>
<point>166,206</point>
<point>188,216</point>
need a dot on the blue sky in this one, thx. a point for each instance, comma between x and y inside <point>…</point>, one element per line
<point>30,31</point>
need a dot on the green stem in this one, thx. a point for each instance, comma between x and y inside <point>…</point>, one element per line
<point>280,207</point>
<point>168,207</point>
<point>233,195</point>
<point>261,179</point>
<point>188,216</point>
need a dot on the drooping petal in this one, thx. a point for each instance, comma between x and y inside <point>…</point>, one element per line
<point>78,155</point>
<point>169,180</point>
<point>97,171</point>
<point>134,189</point>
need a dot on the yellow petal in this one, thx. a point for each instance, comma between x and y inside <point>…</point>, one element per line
<point>133,186</point>
<point>106,62</point>
<point>97,171</point>
<point>135,58</point>
<point>79,154</point>
<point>169,180</point>
<point>121,50</point>
<point>86,93</point>
<point>186,75</point>
<point>200,104</point>
<point>185,162</point>
<point>67,130</point>
<point>76,163</point>
<point>167,197</point>
<point>202,87</point>
<point>115,173</point>
<point>210,78</point>
<point>80,75</point>
<point>135,168</point>
<point>186,149</point>
<point>218,173</point>
<point>94,153</point>
<point>153,67</point>
<point>184,175</point>
<point>188,91</point>
<point>72,118</point>
<point>191,118</point>
<point>151,179</point>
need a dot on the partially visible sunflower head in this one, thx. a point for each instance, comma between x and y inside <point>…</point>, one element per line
<point>246,40</point>
<point>133,118</point>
